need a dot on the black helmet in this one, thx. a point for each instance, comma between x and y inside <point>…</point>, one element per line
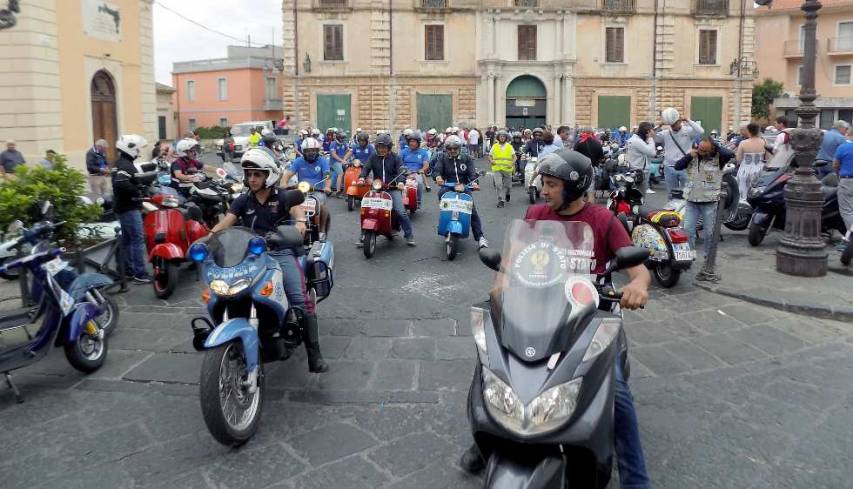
<point>362,136</point>
<point>503,133</point>
<point>416,135</point>
<point>384,140</point>
<point>573,168</point>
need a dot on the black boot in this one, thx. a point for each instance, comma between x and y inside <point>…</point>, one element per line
<point>472,460</point>
<point>316,364</point>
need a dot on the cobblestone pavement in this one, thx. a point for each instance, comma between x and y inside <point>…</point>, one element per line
<point>730,395</point>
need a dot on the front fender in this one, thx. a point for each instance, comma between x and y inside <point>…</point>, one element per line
<point>233,329</point>
<point>86,282</point>
<point>82,313</point>
<point>504,473</point>
<point>761,219</point>
<point>454,227</point>
<point>168,251</point>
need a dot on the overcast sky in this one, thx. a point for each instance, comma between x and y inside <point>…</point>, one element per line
<point>176,39</point>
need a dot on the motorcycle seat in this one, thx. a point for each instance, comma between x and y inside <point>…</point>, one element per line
<point>664,217</point>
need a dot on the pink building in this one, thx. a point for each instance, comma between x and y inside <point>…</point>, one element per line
<point>245,86</point>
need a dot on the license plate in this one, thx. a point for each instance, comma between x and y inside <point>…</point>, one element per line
<point>683,252</point>
<point>377,203</point>
<point>309,205</point>
<point>455,205</point>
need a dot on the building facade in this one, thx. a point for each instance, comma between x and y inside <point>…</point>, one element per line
<point>521,63</point>
<point>246,85</point>
<point>75,71</point>
<point>166,116</point>
<point>779,51</point>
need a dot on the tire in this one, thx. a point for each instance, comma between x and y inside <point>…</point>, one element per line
<point>87,354</point>
<point>847,254</point>
<point>164,283</point>
<point>741,220</point>
<point>224,431</point>
<point>756,235</point>
<point>108,320</point>
<point>666,276</point>
<point>369,244</point>
<point>451,246</point>
<point>531,195</point>
<point>350,203</point>
<point>9,274</point>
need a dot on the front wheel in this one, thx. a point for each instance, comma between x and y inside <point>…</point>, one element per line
<point>741,220</point>
<point>165,279</point>
<point>231,412</point>
<point>665,275</point>
<point>89,351</point>
<point>350,203</point>
<point>369,244</point>
<point>756,234</point>
<point>847,254</point>
<point>452,246</point>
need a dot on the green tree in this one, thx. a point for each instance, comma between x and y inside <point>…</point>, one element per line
<point>62,186</point>
<point>763,95</point>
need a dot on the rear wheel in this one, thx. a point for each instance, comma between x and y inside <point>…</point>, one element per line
<point>847,254</point>
<point>756,234</point>
<point>741,220</point>
<point>665,275</point>
<point>369,244</point>
<point>452,246</point>
<point>165,278</point>
<point>350,203</point>
<point>89,350</point>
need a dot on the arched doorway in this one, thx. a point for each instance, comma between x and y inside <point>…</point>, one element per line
<point>525,103</point>
<point>104,124</point>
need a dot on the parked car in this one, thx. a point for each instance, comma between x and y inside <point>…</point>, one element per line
<point>240,132</point>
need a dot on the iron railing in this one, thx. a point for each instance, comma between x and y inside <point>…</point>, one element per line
<point>335,4</point>
<point>840,44</point>
<point>433,4</point>
<point>526,3</point>
<point>711,7</point>
<point>619,6</point>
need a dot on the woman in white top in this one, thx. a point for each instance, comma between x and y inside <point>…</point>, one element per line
<point>639,150</point>
<point>751,155</point>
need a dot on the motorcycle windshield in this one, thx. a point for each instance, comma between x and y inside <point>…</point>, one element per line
<point>228,247</point>
<point>532,301</point>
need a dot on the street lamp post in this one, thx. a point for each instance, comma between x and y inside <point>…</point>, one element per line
<point>801,250</point>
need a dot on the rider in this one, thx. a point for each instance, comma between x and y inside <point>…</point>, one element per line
<point>340,153</point>
<point>415,159</point>
<point>297,145</point>
<point>185,169</point>
<point>566,177</point>
<point>518,146</point>
<point>535,145</point>
<point>314,169</point>
<point>362,149</point>
<point>261,209</point>
<point>329,139</point>
<point>502,156</point>
<point>455,168</point>
<point>388,167</point>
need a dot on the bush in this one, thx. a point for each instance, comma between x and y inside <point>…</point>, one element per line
<point>214,132</point>
<point>763,95</point>
<point>62,186</point>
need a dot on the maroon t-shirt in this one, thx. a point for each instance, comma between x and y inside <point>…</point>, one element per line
<point>609,233</point>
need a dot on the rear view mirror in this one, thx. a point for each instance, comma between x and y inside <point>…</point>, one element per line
<point>491,258</point>
<point>629,256</point>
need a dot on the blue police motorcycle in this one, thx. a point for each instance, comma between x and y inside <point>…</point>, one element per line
<point>252,321</point>
<point>454,215</point>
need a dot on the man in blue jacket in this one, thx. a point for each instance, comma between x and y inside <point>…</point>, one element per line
<point>97,169</point>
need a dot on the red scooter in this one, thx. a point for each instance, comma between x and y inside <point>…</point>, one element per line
<point>169,232</point>
<point>410,193</point>
<point>377,216</point>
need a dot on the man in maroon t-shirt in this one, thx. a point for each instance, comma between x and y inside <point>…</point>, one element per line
<point>566,176</point>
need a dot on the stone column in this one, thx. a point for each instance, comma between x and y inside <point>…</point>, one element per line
<point>569,99</point>
<point>491,94</point>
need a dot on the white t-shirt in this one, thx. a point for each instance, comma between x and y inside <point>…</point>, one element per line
<point>473,137</point>
<point>780,141</point>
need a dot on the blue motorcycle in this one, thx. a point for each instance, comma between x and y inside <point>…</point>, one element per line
<point>454,216</point>
<point>68,316</point>
<point>252,321</point>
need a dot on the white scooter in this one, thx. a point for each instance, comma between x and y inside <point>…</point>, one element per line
<point>532,182</point>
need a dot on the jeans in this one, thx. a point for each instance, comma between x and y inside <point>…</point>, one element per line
<point>133,239</point>
<point>675,179</point>
<point>402,215</point>
<point>420,178</point>
<point>629,450</point>
<point>337,169</point>
<point>293,279</point>
<point>845,200</point>
<point>476,225</point>
<point>692,212</point>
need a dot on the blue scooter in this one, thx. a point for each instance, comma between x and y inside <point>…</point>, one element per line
<point>454,215</point>
<point>66,319</point>
<point>252,322</point>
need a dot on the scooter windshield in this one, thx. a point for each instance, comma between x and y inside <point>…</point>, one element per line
<point>228,247</point>
<point>535,299</point>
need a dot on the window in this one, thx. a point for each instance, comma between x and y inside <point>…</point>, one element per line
<point>845,36</point>
<point>161,127</point>
<point>270,88</point>
<point>333,42</point>
<point>434,42</point>
<point>527,42</point>
<point>222,86</point>
<point>802,38</point>
<point>192,124</point>
<point>614,45</point>
<point>842,75</point>
<point>827,117</point>
<point>707,47</point>
<point>845,115</point>
<point>800,75</point>
<point>191,90</point>
<point>223,122</point>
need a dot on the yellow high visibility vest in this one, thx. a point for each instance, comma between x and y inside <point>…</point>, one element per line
<point>502,157</point>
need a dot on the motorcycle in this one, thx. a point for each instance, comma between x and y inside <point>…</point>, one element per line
<point>169,232</point>
<point>410,193</point>
<point>251,323</point>
<point>355,191</point>
<point>532,183</point>
<point>377,216</point>
<point>454,216</point>
<point>69,316</point>
<point>313,210</point>
<point>541,401</point>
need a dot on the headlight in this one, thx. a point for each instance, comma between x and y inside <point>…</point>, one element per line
<point>757,191</point>
<point>502,403</point>
<point>478,330</point>
<point>604,335</point>
<point>377,185</point>
<point>221,288</point>
<point>237,188</point>
<point>459,188</point>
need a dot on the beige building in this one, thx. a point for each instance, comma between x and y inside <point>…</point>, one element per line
<point>435,63</point>
<point>779,51</point>
<point>75,71</point>
<point>166,115</point>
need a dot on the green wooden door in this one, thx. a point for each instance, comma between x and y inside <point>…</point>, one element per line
<point>614,111</point>
<point>708,111</point>
<point>334,111</point>
<point>435,112</point>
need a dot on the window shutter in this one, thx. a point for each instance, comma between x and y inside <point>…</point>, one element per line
<point>615,45</point>
<point>707,47</point>
<point>527,42</point>
<point>434,42</point>
<point>333,49</point>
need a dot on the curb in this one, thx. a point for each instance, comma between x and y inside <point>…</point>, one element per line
<point>837,313</point>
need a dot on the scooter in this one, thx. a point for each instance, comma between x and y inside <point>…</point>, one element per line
<point>410,193</point>
<point>541,401</point>
<point>532,183</point>
<point>313,210</point>
<point>377,216</point>
<point>355,191</point>
<point>454,215</point>
<point>169,232</point>
<point>67,319</point>
<point>251,323</point>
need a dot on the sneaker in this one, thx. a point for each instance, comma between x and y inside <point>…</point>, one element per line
<point>322,237</point>
<point>650,191</point>
<point>410,241</point>
<point>142,279</point>
<point>500,204</point>
<point>483,243</point>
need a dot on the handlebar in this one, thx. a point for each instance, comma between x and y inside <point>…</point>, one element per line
<point>27,259</point>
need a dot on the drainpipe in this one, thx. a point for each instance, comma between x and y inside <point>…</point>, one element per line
<point>392,99</point>
<point>654,101</point>
<point>739,79</point>
<point>296,107</point>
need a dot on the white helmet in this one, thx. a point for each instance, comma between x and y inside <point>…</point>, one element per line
<point>670,116</point>
<point>303,132</point>
<point>448,130</point>
<point>184,145</point>
<point>315,132</point>
<point>262,159</point>
<point>431,132</point>
<point>309,144</point>
<point>455,129</point>
<point>130,144</point>
<point>623,129</point>
<point>267,132</point>
<point>407,132</point>
<point>453,141</point>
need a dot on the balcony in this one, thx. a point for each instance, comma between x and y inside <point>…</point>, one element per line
<point>619,6</point>
<point>432,5</point>
<point>273,104</point>
<point>794,48</point>
<point>526,3</point>
<point>711,8</point>
<point>839,46</point>
<point>331,4</point>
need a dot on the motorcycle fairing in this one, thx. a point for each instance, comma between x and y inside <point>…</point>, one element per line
<point>761,219</point>
<point>237,328</point>
<point>505,473</point>
<point>647,236</point>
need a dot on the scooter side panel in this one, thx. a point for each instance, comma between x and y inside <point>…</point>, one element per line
<point>237,328</point>
<point>505,473</point>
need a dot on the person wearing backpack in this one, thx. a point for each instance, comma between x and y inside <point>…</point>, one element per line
<point>677,141</point>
